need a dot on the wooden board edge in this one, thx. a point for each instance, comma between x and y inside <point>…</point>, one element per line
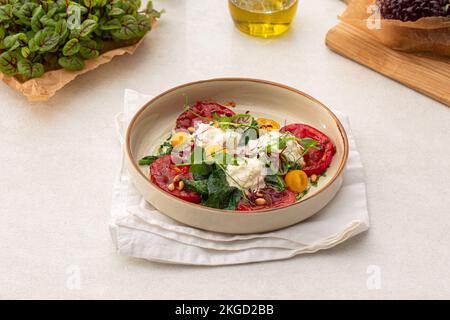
<point>404,68</point>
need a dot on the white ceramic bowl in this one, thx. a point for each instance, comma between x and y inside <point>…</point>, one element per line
<point>263,99</point>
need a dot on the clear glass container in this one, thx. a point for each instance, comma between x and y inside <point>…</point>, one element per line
<point>263,18</point>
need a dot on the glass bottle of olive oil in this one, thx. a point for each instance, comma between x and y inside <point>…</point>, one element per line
<point>263,18</point>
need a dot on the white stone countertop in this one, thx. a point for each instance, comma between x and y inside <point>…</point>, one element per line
<point>58,161</point>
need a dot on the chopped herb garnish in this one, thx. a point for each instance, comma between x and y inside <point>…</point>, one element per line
<point>165,148</point>
<point>308,143</point>
<point>301,195</point>
<point>148,160</point>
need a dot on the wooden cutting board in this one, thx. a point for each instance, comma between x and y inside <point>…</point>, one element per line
<point>430,76</point>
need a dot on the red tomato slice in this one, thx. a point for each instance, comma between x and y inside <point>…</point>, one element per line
<point>204,110</point>
<point>274,199</point>
<point>316,161</point>
<point>162,172</point>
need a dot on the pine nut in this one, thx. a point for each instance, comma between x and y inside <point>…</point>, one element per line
<point>171,187</point>
<point>180,185</point>
<point>247,193</point>
<point>314,178</point>
<point>191,129</point>
<point>259,195</point>
<point>176,178</point>
<point>260,201</point>
<point>216,124</point>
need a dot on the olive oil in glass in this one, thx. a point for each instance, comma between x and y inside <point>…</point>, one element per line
<point>263,18</point>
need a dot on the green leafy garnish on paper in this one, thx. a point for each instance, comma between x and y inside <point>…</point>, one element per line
<point>41,35</point>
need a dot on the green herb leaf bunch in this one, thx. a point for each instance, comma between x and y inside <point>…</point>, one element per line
<point>41,35</point>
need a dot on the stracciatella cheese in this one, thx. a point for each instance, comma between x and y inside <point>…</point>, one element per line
<point>207,135</point>
<point>293,150</point>
<point>248,174</point>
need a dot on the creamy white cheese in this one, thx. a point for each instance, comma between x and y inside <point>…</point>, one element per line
<point>248,174</point>
<point>293,150</point>
<point>206,135</point>
<point>260,145</point>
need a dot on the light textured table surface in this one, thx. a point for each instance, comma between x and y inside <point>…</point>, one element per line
<point>59,159</point>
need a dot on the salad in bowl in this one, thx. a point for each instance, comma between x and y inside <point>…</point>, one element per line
<point>224,157</point>
<point>244,156</point>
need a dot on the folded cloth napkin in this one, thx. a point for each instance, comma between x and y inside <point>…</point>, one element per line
<point>139,230</point>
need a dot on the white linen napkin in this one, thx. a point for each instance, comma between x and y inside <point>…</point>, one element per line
<point>139,230</point>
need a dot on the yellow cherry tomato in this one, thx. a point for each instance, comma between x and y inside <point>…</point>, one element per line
<point>296,180</point>
<point>178,138</point>
<point>268,124</point>
<point>214,150</point>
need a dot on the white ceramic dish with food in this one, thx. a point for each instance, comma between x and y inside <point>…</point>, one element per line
<point>261,98</point>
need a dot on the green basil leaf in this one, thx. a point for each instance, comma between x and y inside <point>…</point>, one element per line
<point>30,70</point>
<point>72,63</point>
<point>276,182</point>
<point>200,171</point>
<point>143,24</point>
<point>87,27</point>
<point>116,12</point>
<point>46,40</point>
<point>148,160</point>
<point>2,33</point>
<point>60,15</point>
<point>135,4</point>
<point>125,6</point>
<point>8,63</point>
<point>61,27</point>
<point>6,12</point>
<point>14,41</point>
<point>234,199</point>
<point>71,47</point>
<point>25,13</point>
<point>129,29</point>
<point>52,10</point>
<point>88,49</point>
<point>63,31</point>
<point>25,52</point>
<point>308,143</point>
<point>113,24</point>
<point>48,22</point>
<point>220,194</point>
<point>200,187</point>
<point>32,45</point>
<point>36,24</point>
